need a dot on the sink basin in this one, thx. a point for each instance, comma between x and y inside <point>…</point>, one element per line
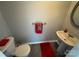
<point>67,38</point>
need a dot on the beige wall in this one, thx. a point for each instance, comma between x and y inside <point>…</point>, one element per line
<point>21,15</point>
<point>67,24</point>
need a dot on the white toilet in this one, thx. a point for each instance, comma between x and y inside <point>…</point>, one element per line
<point>20,51</point>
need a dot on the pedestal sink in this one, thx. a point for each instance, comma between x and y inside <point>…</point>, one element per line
<point>67,42</point>
<point>67,38</point>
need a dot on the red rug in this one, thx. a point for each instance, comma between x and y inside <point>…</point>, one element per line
<point>47,50</point>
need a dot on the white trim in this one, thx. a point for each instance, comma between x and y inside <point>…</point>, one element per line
<point>43,42</point>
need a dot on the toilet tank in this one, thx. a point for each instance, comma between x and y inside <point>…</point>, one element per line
<point>9,48</point>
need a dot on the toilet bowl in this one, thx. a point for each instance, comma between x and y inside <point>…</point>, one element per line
<point>22,50</point>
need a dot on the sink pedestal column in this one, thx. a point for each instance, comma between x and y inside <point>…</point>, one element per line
<point>63,49</point>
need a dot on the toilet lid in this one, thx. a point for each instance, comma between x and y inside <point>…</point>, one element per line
<point>22,50</point>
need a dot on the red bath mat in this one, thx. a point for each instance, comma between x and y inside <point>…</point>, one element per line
<point>47,50</point>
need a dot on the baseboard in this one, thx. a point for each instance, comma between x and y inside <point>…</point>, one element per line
<point>44,42</point>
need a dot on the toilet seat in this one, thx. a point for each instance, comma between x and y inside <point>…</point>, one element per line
<point>22,50</point>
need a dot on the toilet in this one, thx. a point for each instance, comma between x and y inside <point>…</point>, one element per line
<point>10,49</point>
<point>22,50</point>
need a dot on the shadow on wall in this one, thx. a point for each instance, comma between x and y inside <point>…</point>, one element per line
<point>4,30</point>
